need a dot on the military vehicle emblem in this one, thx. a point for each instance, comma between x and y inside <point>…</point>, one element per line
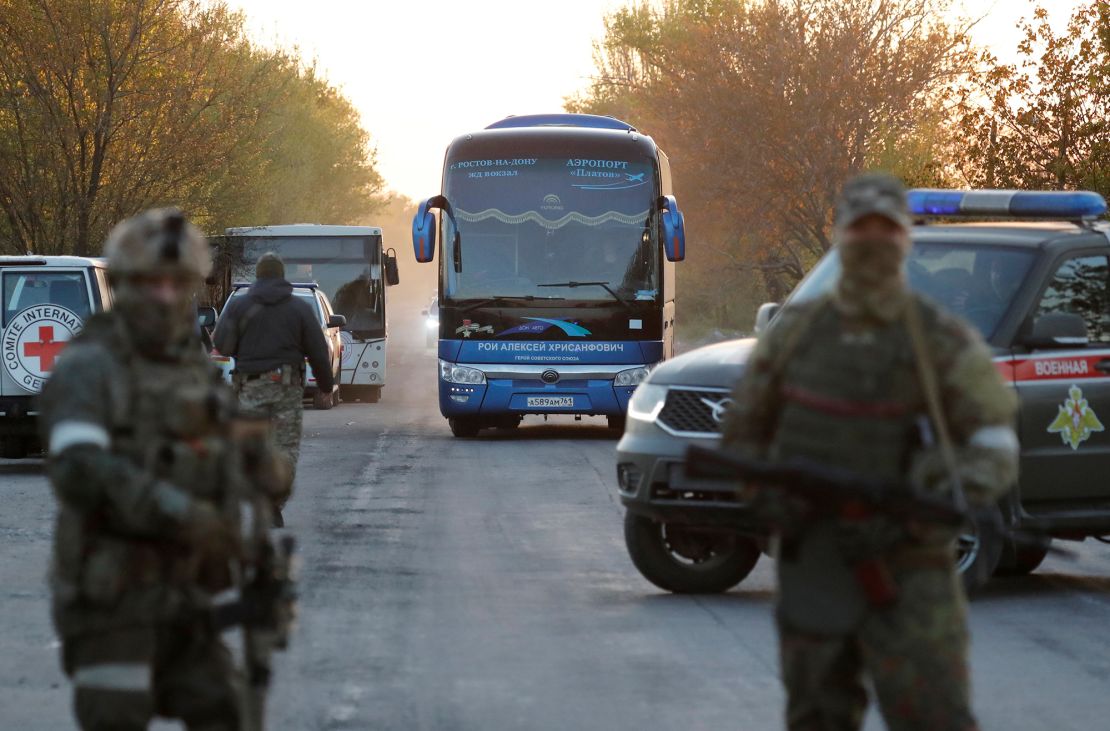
<point>1076,421</point>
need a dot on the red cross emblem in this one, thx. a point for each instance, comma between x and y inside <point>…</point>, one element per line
<point>46,349</point>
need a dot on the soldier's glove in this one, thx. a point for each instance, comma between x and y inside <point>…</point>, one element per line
<point>208,532</point>
<point>929,473</point>
<point>868,538</point>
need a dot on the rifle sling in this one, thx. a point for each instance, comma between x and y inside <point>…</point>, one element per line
<point>927,374</point>
<point>926,371</point>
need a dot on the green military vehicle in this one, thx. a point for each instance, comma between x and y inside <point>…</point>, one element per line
<point>1034,280</point>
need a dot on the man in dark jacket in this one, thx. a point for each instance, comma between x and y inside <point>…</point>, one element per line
<point>270,332</point>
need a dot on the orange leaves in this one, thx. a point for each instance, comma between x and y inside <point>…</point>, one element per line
<point>111,106</point>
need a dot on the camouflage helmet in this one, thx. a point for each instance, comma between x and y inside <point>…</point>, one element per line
<point>158,241</point>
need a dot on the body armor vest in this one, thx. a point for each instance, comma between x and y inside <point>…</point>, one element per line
<point>850,398</point>
<point>172,424</point>
<point>169,419</point>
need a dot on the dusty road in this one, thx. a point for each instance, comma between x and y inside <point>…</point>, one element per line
<point>483,584</point>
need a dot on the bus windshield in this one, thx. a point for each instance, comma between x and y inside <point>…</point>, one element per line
<point>529,226</point>
<point>348,270</point>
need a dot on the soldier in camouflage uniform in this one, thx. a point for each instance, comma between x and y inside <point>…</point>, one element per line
<point>149,488</point>
<point>839,381</point>
<point>271,332</point>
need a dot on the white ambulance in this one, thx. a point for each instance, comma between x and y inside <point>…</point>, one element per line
<point>45,302</point>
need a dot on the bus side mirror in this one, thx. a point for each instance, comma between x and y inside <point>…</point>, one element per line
<point>424,231</point>
<point>673,228</point>
<point>206,317</point>
<point>337,321</point>
<point>392,275</point>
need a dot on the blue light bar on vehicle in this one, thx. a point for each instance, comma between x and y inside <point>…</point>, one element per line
<point>1006,203</point>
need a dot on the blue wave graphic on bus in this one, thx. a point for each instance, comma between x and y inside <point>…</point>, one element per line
<point>538,219</point>
<point>543,324</point>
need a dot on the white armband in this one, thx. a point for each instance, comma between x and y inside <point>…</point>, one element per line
<point>996,438</point>
<point>66,434</point>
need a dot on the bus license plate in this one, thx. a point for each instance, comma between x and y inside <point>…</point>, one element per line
<point>550,402</point>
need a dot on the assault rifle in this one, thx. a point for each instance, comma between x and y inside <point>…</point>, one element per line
<point>267,602</point>
<point>853,496</point>
<point>835,488</point>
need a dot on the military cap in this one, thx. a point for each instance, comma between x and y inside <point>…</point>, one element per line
<point>158,241</point>
<point>873,194</point>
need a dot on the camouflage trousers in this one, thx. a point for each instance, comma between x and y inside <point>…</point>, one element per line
<point>282,404</point>
<point>123,678</point>
<point>914,653</point>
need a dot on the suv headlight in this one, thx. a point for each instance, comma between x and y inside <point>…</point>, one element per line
<point>631,377</point>
<point>454,373</point>
<point>647,401</point>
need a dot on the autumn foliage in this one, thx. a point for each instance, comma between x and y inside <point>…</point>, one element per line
<point>767,106</point>
<point>108,107</point>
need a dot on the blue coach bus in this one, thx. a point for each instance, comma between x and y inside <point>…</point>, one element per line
<point>557,237</point>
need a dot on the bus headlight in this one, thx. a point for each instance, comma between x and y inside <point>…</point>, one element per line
<point>431,323</point>
<point>631,377</point>
<point>453,373</point>
<point>647,401</point>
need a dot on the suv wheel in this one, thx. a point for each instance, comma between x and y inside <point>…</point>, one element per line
<point>979,549</point>
<point>687,560</point>
<point>1022,559</point>
<point>463,427</point>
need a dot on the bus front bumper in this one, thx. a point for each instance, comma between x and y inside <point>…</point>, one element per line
<point>588,391</point>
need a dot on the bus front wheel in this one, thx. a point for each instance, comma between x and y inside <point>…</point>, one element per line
<point>462,427</point>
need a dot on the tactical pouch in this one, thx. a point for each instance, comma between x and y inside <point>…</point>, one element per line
<point>104,574</point>
<point>878,585</point>
<point>818,589</point>
<point>196,464</point>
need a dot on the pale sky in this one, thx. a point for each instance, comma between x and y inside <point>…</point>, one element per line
<point>423,72</point>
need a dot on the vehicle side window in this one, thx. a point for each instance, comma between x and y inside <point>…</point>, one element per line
<point>23,289</point>
<point>1082,286</point>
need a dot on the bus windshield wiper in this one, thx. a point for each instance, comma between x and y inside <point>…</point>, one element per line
<point>499,297</point>
<point>603,285</point>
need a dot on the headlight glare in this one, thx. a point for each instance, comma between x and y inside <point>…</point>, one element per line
<point>631,377</point>
<point>454,373</point>
<point>647,401</point>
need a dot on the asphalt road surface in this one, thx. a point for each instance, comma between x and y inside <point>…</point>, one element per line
<point>484,584</point>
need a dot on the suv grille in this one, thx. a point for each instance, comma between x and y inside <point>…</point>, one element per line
<point>689,411</point>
